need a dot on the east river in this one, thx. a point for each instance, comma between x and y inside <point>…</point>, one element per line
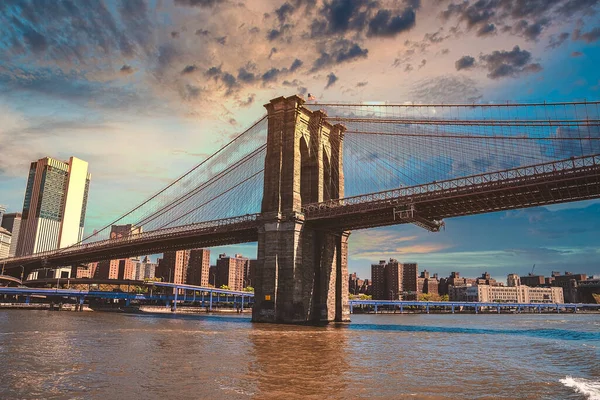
<point>92,355</point>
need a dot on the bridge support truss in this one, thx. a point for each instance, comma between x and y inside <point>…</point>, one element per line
<point>301,271</point>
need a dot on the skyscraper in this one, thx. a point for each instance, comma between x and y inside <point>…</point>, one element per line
<point>54,206</point>
<point>12,223</point>
<point>2,211</point>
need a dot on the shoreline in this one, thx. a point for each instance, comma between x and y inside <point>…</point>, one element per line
<point>152,309</point>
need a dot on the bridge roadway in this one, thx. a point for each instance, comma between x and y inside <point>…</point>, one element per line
<point>425,205</point>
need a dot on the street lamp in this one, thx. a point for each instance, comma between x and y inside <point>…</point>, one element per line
<point>22,272</point>
<point>214,280</point>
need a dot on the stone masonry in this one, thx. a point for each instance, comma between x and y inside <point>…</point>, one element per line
<point>301,272</point>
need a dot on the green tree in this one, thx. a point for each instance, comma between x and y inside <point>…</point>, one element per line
<point>249,289</point>
<point>444,297</point>
<point>225,287</point>
<point>365,297</point>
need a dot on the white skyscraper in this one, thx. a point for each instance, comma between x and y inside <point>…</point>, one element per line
<point>54,207</point>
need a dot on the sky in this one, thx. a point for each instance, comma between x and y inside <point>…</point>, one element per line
<point>144,90</point>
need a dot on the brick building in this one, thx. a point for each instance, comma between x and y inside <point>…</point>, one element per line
<point>198,267</point>
<point>394,280</point>
<point>231,271</point>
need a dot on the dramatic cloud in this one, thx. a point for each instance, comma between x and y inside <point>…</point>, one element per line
<point>512,63</point>
<point>464,62</point>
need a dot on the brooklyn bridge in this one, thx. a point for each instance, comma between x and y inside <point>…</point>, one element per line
<point>303,176</point>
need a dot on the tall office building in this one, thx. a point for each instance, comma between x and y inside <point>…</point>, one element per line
<point>12,223</point>
<point>54,206</point>
<point>198,267</point>
<point>2,211</point>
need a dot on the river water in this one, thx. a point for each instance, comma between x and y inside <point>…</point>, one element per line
<point>92,355</point>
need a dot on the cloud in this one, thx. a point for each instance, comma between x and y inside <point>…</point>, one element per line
<point>486,30</point>
<point>386,25</point>
<point>464,62</point>
<point>189,69</point>
<point>127,69</point>
<point>296,64</point>
<point>588,37</point>
<point>341,51</point>
<point>511,63</point>
<point>331,79</point>
<point>557,41</point>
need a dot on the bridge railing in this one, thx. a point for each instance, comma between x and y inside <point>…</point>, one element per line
<point>150,235</point>
<point>403,194</point>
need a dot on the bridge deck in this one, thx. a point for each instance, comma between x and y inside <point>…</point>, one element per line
<point>425,205</point>
<point>554,182</point>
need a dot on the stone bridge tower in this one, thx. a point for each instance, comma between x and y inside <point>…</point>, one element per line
<point>302,272</point>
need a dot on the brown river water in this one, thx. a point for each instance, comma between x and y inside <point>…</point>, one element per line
<point>93,355</point>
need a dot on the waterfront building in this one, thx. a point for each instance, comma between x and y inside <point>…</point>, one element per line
<point>533,280</point>
<point>428,284</point>
<point>198,267</point>
<point>173,266</point>
<point>249,277</point>
<point>378,289</point>
<point>410,275</point>
<point>513,280</point>
<point>514,294</point>
<point>486,279</point>
<point>123,268</point>
<point>454,280</point>
<point>459,292</point>
<point>5,241</point>
<point>54,207</point>
<point>230,271</point>
<point>394,280</point>
<point>145,269</point>
<point>569,282</point>
<point>394,272</point>
<point>12,223</point>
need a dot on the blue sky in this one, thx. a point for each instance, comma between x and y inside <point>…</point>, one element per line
<point>143,90</point>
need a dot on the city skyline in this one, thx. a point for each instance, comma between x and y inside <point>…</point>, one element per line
<point>181,82</point>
